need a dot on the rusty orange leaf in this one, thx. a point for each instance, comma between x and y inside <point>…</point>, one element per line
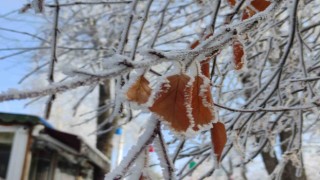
<point>205,67</point>
<point>140,91</point>
<point>238,55</point>
<point>232,2</point>
<point>172,100</point>
<point>142,177</point>
<point>259,5</point>
<point>194,44</point>
<point>218,138</point>
<point>201,103</point>
<point>247,13</point>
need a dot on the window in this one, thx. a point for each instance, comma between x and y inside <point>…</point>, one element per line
<point>49,164</point>
<point>41,165</point>
<point>5,151</point>
<point>66,170</point>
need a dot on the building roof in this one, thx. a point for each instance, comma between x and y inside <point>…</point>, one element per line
<point>30,120</point>
<point>79,146</point>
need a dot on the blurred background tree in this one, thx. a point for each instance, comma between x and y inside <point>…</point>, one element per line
<point>82,56</point>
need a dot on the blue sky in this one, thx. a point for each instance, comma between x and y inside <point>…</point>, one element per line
<point>12,69</point>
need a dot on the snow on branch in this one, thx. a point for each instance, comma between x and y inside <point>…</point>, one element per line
<point>151,130</point>
<point>121,64</point>
<point>165,161</point>
<point>14,94</point>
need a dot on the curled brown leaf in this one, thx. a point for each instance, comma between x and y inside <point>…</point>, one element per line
<point>140,91</point>
<point>201,103</point>
<point>218,138</point>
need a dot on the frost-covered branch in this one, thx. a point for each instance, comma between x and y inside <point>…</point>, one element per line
<point>13,94</point>
<point>165,161</point>
<point>151,131</point>
<point>89,3</point>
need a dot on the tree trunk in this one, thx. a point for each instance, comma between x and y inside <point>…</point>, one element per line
<point>270,162</point>
<point>104,141</point>
<point>289,172</point>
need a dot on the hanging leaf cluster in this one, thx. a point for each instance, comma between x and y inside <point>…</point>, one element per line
<point>218,131</point>
<point>183,102</point>
<point>254,7</point>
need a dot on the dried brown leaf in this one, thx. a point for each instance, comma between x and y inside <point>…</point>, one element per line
<point>140,91</point>
<point>218,138</point>
<point>171,102</point>
<point>201,103</point>
<point>238,55</point>
<point>258,5</point>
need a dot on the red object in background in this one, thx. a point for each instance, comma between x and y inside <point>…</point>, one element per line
<point>151,149</point>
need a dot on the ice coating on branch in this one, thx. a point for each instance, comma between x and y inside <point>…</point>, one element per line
<point>190,131</point>
<point>12,92</point>
<point>15,94</point>
<point>114,60</point>
<point>161,149</point>
<point>135,151</point>
<point>153,54</point>
<point>137,170</point>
